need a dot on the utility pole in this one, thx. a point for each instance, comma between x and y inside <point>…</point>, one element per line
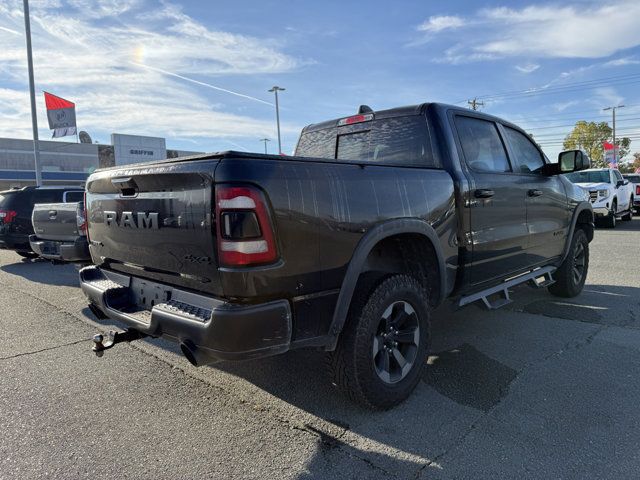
<point>613,111</point>
<point>275,89</point>
<point>265,140</point>
<point>475,104</point>
<point>32,92</point>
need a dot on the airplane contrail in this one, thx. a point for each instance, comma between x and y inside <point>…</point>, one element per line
<point>10,31</point>
<point>165,72</point>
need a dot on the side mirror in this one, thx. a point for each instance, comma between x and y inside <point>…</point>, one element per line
<point>573,161</point>
<point>621,183</point>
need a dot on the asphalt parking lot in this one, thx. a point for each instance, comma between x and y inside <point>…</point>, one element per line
<point>544,388</point>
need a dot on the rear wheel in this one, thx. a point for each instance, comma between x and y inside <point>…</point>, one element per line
<point>572,274</point>
<point>381,351</point>
<point>28,254</point>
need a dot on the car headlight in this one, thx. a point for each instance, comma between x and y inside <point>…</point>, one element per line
<point>603,193</point>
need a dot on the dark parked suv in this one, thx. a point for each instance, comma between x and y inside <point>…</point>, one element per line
<point>16,207</point>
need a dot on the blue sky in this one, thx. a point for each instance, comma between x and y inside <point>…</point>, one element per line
<point>198,72</point>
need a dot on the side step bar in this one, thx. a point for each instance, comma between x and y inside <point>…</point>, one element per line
<point>539,278</point>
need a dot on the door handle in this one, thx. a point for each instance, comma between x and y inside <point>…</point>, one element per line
<point>484,193</point>
<point>534,192</point>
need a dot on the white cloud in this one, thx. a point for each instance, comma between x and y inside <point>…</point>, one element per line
<point>87,51</point>
<point>527,68</point>
<point>547,31</point>
<point>439,23</point>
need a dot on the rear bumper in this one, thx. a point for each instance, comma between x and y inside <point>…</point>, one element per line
<point>14,241</point>
<point>77,251</point>
<point>207,328</point>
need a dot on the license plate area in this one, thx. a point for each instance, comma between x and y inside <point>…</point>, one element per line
<point>148,294</point>
<point>50,249</point>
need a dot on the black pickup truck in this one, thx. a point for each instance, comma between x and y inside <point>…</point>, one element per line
<point>345,247</point>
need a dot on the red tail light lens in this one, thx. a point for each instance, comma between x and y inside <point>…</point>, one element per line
<point>81,219</point>
<point>245,232</point>
<point>8,215</point>
<point>637,189</point>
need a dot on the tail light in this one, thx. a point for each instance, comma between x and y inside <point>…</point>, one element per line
<point>81,218</point>
<point>8,215</point>
<point>245,232</point>
<point>637,189</point>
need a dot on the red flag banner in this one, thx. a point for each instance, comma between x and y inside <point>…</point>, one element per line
<point>61,114</point>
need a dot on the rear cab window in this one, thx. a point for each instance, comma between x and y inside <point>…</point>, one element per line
<point>402,140</point>
<point>73,196</point>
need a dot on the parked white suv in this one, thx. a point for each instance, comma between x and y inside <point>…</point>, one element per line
<point>611,195</point>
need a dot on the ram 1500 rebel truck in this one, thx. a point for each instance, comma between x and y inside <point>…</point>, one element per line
<point>60,232</point>
<point>611,195</point>
<point>346,246</point>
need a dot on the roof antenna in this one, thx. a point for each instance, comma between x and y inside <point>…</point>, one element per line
<point>364,109</point>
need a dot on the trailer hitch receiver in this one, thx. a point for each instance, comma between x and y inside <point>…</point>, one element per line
<point>113,338</point>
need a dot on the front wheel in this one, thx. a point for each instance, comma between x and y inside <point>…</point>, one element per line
<point>610,220</point>
<point>572,274</point>
<point>381,351</point>
<point>627,217</point>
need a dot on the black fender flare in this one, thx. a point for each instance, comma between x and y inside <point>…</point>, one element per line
<point>364,247</point>
<point>581,207</point>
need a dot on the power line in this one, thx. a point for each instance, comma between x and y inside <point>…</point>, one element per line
<point>573,124</point>
<point>578,85</point>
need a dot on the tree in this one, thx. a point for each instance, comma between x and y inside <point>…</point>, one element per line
<point>589,136</point>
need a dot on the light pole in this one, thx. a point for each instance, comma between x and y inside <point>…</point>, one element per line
<point>32,92</point>
<point>613,110</point>
<point>265,140</point>
<point>275,89</point>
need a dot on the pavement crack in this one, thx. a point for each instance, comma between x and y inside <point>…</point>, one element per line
<point>24,354</point>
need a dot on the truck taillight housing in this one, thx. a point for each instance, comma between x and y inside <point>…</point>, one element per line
<point>244,228</point>
<point>637,189</point>
<point>81,218</point>
<point>8,215</point>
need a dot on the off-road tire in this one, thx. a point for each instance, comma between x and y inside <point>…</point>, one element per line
<point>351,365</point>
<point>28,254</point>
<point>567,283</point>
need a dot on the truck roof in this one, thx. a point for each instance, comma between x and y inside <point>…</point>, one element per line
<point>408,110</point>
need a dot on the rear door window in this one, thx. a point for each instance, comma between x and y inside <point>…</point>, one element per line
<point>527,157</point>
<point>481,144</point>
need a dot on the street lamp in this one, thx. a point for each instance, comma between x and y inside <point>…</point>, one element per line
<point>32,94</point>
<point>265,140</point>
<point>613,111</point>
<point>275,89</point>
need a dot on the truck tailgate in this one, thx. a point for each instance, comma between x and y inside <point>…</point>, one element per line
<point>55,221</point>
<point>155,221</point>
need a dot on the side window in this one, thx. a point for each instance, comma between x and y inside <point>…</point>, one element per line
<point>618,175</point>
<point>527,158</point>
<point>73,197</point>
<point>481,144</point>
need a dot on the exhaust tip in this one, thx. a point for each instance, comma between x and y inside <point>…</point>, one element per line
<point>188,352</point>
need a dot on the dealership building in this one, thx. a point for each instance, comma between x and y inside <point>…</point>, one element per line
<point>67,163</point>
